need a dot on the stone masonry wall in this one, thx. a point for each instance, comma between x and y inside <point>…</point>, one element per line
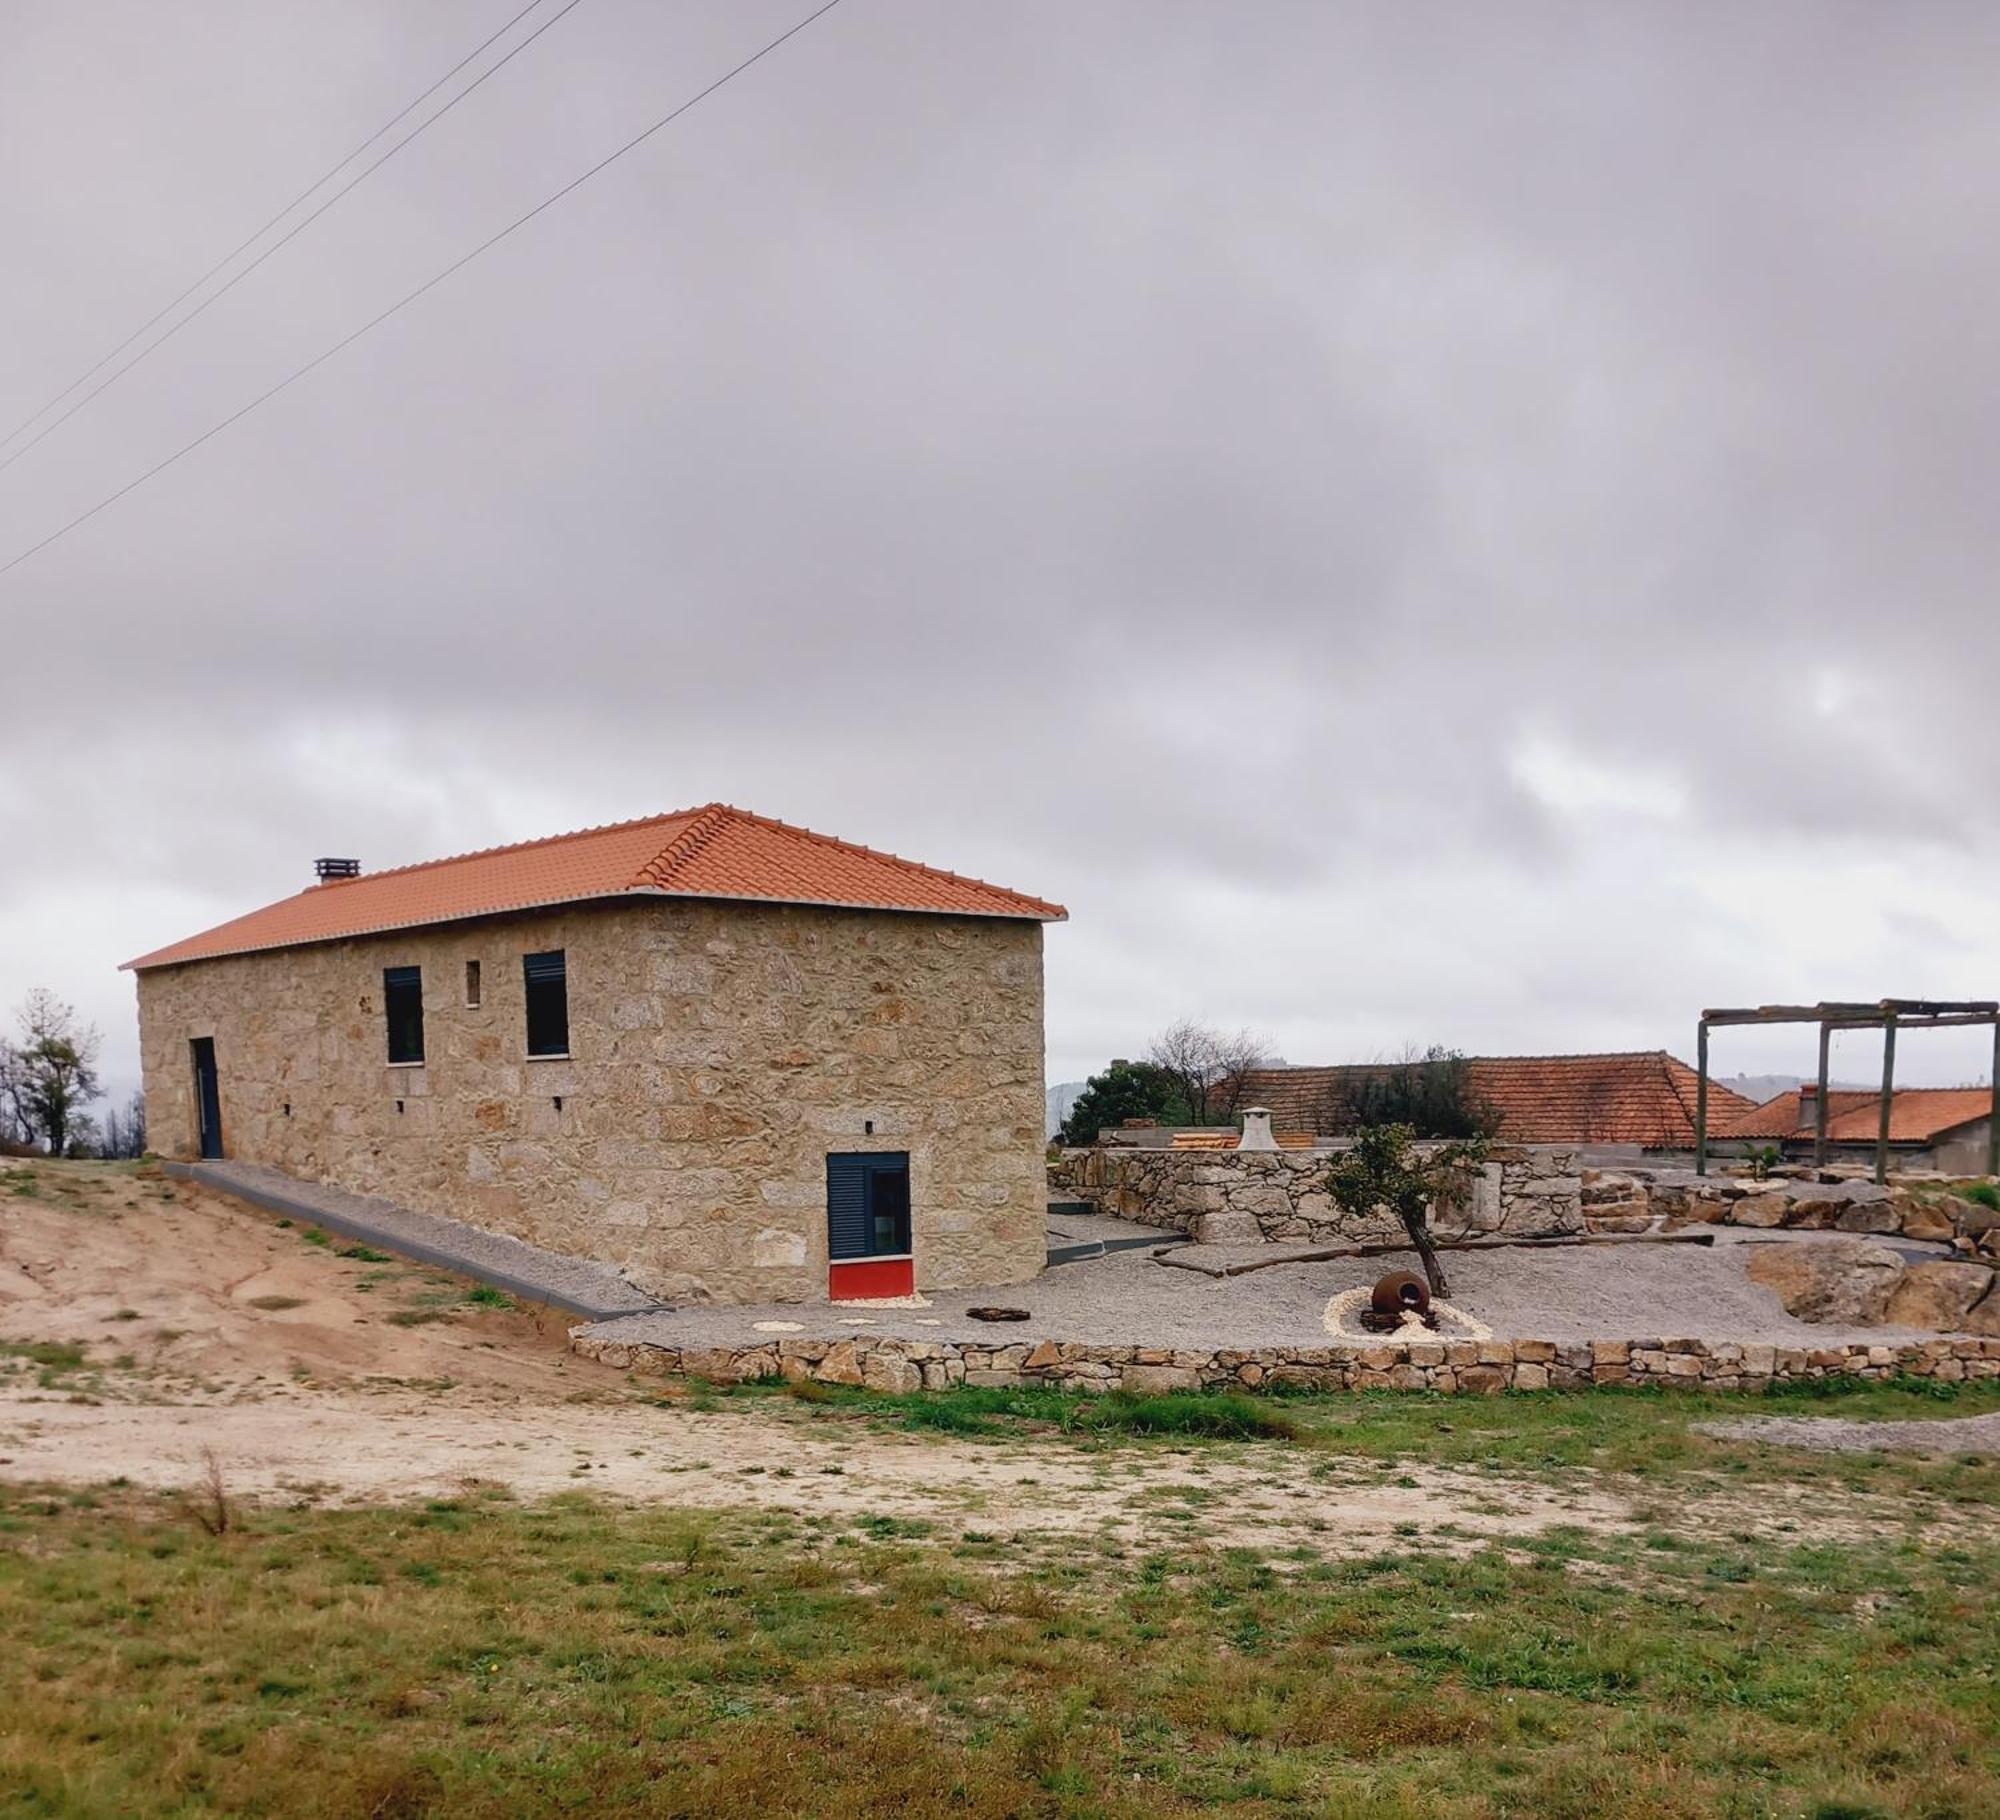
<point>1462,1366</point>
<point>718,1053</point>
<point>1240,1196</point>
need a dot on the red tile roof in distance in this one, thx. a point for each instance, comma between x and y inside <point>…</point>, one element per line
<point>713,852</point>
<point>1643,1097</point>
<point>1853,1115</point>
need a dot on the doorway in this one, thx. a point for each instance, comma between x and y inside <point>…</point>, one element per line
<point>207,1096</point>
<point>868,1241</point>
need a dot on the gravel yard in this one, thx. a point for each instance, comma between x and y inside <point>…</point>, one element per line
<point>1586,1292</point>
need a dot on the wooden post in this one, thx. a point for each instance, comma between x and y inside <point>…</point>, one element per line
<point>1888,1096</point>
<point>1993,1112</point>
<point>1819,1111</point>
<point>1701,1097</point>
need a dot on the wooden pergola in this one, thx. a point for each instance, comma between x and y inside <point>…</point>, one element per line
<point>1886,1015</point>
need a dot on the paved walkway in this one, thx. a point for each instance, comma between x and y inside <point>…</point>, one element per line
<point>575,1285</point>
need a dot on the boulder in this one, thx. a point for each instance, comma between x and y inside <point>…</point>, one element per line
<point>1984,1319</point>
<point>1847,1281</point>
<point>1760,1210</point>
<point>1928,1216</point>
<point>1937,1295</point>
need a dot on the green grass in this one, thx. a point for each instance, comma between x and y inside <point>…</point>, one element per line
<point>978,1410</point>
<point>1633,1434</point>
<point>1985,1193</point>
<point>479,1658</point>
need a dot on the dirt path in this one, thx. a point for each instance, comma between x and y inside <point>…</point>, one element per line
<point>338,1449</point>
<point>1946,1434</point>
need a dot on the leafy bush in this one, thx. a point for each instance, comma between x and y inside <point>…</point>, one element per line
<point>1125,1090</point>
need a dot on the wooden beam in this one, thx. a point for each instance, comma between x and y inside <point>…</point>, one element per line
<point>1888,1098</point>
<point>1701,1097</point>
<point>1993,1111</point>
<point>1909,1022</point>
<point>1819,1109</point>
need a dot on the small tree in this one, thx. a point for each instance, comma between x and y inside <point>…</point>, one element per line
<point>1125,1090</point>
<point>1384,1169</point>
<point>1207,1066</point>
<point>51,1073</point>
<point>1432,1093</point>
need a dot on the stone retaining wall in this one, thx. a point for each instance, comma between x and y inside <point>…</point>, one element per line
<point>1648,1199</point>
<point>902,1366</point>
<point>1229,1197</point>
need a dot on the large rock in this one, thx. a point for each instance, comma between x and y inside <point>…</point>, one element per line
<point>1984,1319</point>
<point>1938,1295</point>
<point>1846,1281</point>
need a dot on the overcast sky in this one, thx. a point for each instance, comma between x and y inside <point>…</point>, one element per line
<point>1467,524</point>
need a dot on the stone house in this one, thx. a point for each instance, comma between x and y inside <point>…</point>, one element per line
<point>1943,1128</point>
<point>732,1057</point>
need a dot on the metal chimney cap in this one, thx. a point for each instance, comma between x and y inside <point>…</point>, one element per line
<point>336,868</point>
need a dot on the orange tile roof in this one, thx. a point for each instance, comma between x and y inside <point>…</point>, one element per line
<point>1853,1115</point>
<point>1642,1097</point>
<point>711,852</point>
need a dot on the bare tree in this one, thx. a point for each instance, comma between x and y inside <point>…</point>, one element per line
<point>51,1072</point>
<point>1206,1065</point>
<point>125,1131</point>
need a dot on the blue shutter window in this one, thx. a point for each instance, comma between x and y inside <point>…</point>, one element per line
<point>547,980</point>
<point>403,1010</point>
<point>868,1205</point>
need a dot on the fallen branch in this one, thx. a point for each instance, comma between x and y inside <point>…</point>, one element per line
<point>1172,1255</point>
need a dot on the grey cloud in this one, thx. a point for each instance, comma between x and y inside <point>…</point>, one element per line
<point>1155,455</point>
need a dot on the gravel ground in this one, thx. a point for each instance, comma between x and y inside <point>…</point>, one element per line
<point>1948,1434</point>
<point>575,1285</point>
<point>1590,1292</point>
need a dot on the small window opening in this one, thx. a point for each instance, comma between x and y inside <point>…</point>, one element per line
<point>399,1105</point>
<point>472,985</point>
<point>868,1127</point>
<point>288,1109</point>
<point>403,1009</point>
<point>558,1102</point>
<point>547,980</point>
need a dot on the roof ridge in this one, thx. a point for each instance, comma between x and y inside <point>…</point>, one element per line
<point>518,846</point>
<point>709,821</point>
<point>729,810</point>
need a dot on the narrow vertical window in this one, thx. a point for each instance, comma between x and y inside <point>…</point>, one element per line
<point>403,1008</point>
<point>472,985</point>
<point>548,1002</point>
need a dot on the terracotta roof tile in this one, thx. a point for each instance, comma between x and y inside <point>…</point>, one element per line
<point>1853,1115</point>
<point>1643,1097</point>
<point>712,852</point>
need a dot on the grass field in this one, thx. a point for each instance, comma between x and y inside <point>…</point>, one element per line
<point>481,1657</point>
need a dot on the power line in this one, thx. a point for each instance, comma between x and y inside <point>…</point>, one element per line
<point>318,182</point>
<point>359,178</point>
<point>410,297</point>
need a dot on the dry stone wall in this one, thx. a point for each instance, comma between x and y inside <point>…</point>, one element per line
<point>1228,1197</point>
<point>718,1052</point>
<point>1459,1366</point>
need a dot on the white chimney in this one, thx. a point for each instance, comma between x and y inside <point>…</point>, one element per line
<point>1257,1129</point>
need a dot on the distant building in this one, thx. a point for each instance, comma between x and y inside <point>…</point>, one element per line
<point>1929,1127</point>
<point>1641,1097</point>
<point>723,1053</point>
